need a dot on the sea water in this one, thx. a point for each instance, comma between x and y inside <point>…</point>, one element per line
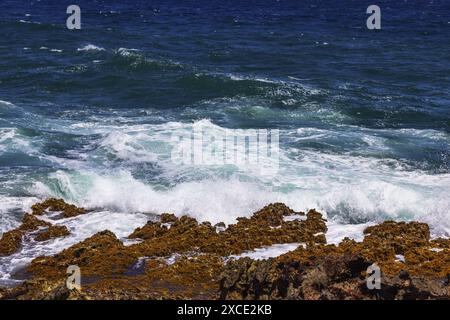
<point>89,115</point>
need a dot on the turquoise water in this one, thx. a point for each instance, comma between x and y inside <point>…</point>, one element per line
<point>363,116</point>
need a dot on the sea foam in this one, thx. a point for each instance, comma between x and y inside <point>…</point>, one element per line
<point>91,47</point>
<point>348,187</point>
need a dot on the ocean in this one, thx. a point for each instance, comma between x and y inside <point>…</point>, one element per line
<point>89,115</point>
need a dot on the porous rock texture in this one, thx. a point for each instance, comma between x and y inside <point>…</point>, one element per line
<point>180,258</point>
<point>41,230</point>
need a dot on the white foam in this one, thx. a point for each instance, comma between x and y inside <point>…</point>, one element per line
<point>7,103</point>
<point>128,146</point>
<point>295,217</point>
<point>91,47</point>
<point>344,187</point>
<point>338,231</point>
<point>11,140</point>
<point>123,192</point>
<point>13,204</point>
<point>7,134</point>
<point>285,83</point>
<point>351,187</point>
<point>127,52</point>
<point>81,227</point>
<point>268,252</point>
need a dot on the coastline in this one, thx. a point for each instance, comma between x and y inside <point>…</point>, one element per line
<point>179,258</point>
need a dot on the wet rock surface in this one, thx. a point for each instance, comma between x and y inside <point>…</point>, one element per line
<point>57,205</point>
<point>180,258</point>
<point>52,232</point>
<point>11,241</point>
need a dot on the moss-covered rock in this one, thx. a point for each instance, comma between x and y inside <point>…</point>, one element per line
<point>10,242</point>
<point>52,232</point>
<point>180,258</point>
<point>57,205</point>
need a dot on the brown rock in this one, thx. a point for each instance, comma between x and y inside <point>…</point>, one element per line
<point>100,255</point>
<point>57,205</point>
<point>52,232</point>
<point>180,258</point>
<point>10,242</point>
<point>399,235</point>
<point>31,223</point>
<point>264,228</point>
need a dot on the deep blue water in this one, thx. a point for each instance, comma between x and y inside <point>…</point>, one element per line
<point>364,116</point>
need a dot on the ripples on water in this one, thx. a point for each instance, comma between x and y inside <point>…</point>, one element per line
<point>364,117</point>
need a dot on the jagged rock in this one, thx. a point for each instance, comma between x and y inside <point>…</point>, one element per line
<point>344,281</point>
<point>180,258</point>
<point>264,228</point>
<point>412,289</point>
<point>3,292</point>
<point>10,242</point>
<point>288,278</point>
<point>399,235</point>
<point>100,255</point>
<point>57,205</point>
<point>338,272</point>
<point>31,223</point>
<point>343,267</point>
<point>383,242</point>
<point>52,232</point>
<point>39,289</point>
<point>59,293</point>
<point>252,279</point>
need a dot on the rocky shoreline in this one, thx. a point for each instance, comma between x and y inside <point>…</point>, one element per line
<point>180,258</point>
